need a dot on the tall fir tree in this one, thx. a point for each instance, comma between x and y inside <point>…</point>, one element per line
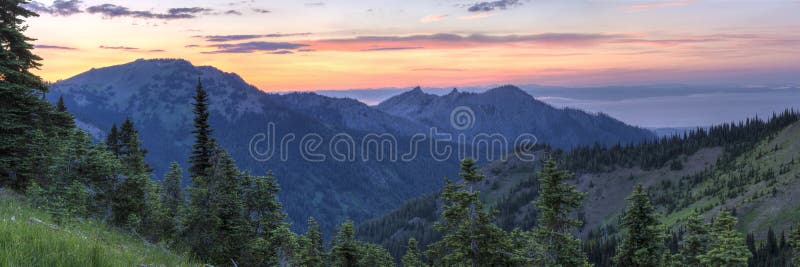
<point>345,251</point>
<point>172,199</point>
<point>203,146</point>
<point>642,243</point>
<point>727,246</point>
<point>557,200</point>
<point>314,250</point>
<point>112,140</point>
<point>22,111</point>
<point>226,207</point>
<point>198,232</point>
<point>131,151</point>
<point>413,257</point>
<point>695,242</point>
<point>470,237</point>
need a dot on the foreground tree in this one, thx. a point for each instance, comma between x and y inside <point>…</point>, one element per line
<point>22,111</point>
<point>313,253</point>
<point>695,242</point>
<point>412,258</point>
<point>470,237</point>
<point>642,241</point>
<point>198,235</point>
<point>727,246</point>
<point>172,199</point>
<point>557,200</point>
<point>345,248</point>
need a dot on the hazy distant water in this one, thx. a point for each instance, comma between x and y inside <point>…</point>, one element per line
<point>685,111</point>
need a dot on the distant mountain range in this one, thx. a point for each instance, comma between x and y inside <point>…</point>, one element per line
<point>157,95</point>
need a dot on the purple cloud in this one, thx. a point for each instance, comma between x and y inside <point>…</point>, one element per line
<point>262,11</point>
<point>113,11</point>
<point>490,6</point>
<point>54,47</point>
<point>282,52</point>
<point>240,37</point>
<point>251,47</point>
<point>59,7</point>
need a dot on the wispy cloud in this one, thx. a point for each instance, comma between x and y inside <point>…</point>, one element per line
<point>432,18</point>
<point>393,48</point>
<point>656,5</point>
<point>118,47</point>
<point>447,40</point>
<point>282,52</point>
<point>251,47</point>
<point>240,37</point>
<point>58,8</point>
<point>156,50</point>
<point>315,4</point>
<point>233,12</point>
<point>543,40</point>
<point>262,11</point>
<point>491,6</point>
<point>54,47</point>
<point>113,11</point>
<point>477,16</point>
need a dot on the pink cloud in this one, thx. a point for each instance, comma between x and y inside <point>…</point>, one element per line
<point>432,18</point>
<point>657,5</point>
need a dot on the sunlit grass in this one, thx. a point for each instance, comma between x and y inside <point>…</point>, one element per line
<point>24,241</point>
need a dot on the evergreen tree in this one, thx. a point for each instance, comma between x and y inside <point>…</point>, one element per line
<point>198,234</point>
<point>129,200</point>
<point>229,225</point>
<point>22,111</point>
<point>374,256</point>
<point>61,118</point>
<point>284,246</point>
<point>172,199</point>
<point>412,258</point>
<point>345,248</point>
<point>313,251</point>
<point>642,243</point>
<point>131,151</point>
<point>204,145</point>
<point>76,199</point>
<point>469,236</point>
<point>727,246</point>
<point>695,242</point>
<point>36,195</point>
<point>112,140</point>
<point>556,245</point>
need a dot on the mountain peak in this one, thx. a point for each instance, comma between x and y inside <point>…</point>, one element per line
<point>507,90</point>
<point>452,92</point>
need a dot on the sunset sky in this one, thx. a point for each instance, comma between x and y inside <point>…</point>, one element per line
<point>329,44</point>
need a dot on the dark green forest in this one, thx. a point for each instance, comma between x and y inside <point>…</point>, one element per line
<point>230,217</point>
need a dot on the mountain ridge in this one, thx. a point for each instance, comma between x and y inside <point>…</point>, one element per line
<point>157,95</point>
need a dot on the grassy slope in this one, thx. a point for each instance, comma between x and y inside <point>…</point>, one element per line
<point>607,192</point>
<point>26,242</point>
<point>761,204</point>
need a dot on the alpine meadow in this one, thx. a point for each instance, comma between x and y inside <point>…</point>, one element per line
<point>399,133</point>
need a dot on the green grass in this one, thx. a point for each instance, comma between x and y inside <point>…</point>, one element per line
<point>26,242</point>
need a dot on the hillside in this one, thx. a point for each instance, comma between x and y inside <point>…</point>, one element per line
<point>755,176</point>
<point>29,237</point>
